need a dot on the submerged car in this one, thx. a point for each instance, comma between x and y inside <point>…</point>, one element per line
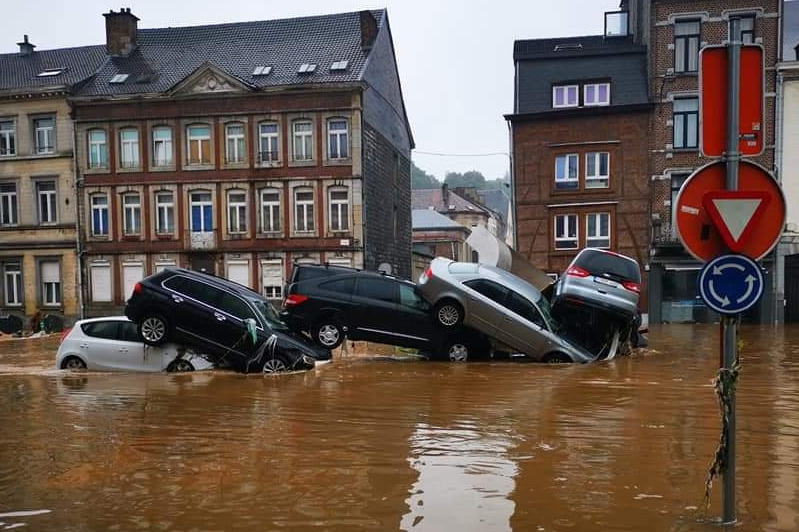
<point>112,344</point>
<point>236,326</point>
<point>499,304</point>
<point>332,302</point>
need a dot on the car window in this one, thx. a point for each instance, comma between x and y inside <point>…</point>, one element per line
<point>269,314</point>
<point>490,289</point>
<point>600,262</point>
<point>343,286</point>
<point>409,298</point>
<point>202,292</point>
<point>372,288</point>
<point>101,329</point>
<point>176,283</point>
<point>520,306</point>
<point>127,332</point>
<point>234,306</point>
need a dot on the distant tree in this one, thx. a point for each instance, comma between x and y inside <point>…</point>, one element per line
<point>421,179</point>
<point>472,178</point>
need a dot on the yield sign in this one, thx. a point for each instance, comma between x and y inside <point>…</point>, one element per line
<point>736,213</point>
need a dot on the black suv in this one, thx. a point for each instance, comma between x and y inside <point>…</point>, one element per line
<point>331,302</point>
<point>212,314</point>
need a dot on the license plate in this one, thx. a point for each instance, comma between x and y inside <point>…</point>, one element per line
<point>607,282</point>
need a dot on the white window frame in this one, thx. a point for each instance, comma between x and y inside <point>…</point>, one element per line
<point>47,135</point>
<point>683,55</point>
<point>97,148</point>
<point>199,140</point>
<point>166,208</point>
<point>15,278</point>
<point>339,206</point>
<point>575,218</point>
<point>274,291</point>
<point>303,139</point>
<point>306,207</point>
<point>9,205</point>
<point>234,226</point>
<point>596,180</point>
<point>272,207</point>
<point>50,198</point>
<point>129,148</point>
<point>236,141</point>
<point>565,178</point>
<point>596,102</point>
<point>131,214</point>
<point>598,230</point>
<point>271,137</point>
<point>100,209</point>
<point>565,89</point>
<point>10,137</point>
<point>338,140</point>
<point>51,295</point>
<point>165,147</point>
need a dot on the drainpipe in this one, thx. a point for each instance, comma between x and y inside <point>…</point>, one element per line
<point>78,181</point>
<point>778,285</point>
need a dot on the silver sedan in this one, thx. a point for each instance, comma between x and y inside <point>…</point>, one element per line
<point>499,304</point>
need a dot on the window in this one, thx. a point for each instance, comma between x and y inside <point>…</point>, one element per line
<point>129,148</point>
<point>597,169</point>
<point>339,65</point>
<point>747,30</point>
<point>272,279</point>
<point>49,72</point>
<point>199,144</point>
<point>235,306</point>
<point>409,298</point>
<point>165,213</point>
<point>107,330</point>
<point>44,135</point>
<point>50,275</point>
<point>270,210</point>
<point>521,307</point>
<point>566,231</point>
<point>489,289</point>
<point>677,181</point>
<point>8,138</point>
<point>262,71</point>
<point>99,215</point>
<point>597,230</point>
<point>101,282</point>
<point>238,271</point>
<point>45,190</point>
<point>596,94</point>
<point>374,288</point>
<point>237,211</point>
<point>616,23</point>
<point>566,171</point>
<point>201,212</point>
<point>337,139</point>
<point>303,141</point>
<point>341,286</point>
<point>119,78</point>
<point>12,284</point>
<point>686,45</point>
<point>131,222</point>
<point>234,135</point>
<point>686,122</point>
<point>162,146</point>
<point>339,209</point>
<point>306,68</point>
<point>565,96</point>
<point>303,211</point>
<point>8,204</point>
<point>268,134</point>
<point>98,149</point>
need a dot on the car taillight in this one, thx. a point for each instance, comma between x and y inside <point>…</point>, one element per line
<point>294,299</point>
<point>137,288</point>
<point>632,287</point>
<point>428,273</point>
<point>65,333</point>
<point>576,271</point>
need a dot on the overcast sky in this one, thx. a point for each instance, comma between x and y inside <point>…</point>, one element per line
<point>455,57</point>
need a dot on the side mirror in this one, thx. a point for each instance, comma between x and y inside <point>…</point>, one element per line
<point>252,332</point>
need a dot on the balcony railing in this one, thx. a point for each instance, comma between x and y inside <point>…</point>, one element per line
<point>268,156</point>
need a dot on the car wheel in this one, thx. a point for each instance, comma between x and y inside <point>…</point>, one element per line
<point>179,366</point>
<point>448,313</point>
<point>557,358</point>
<point>275,365</point>
<point>153,329</point>
<point>328,333</point>
<point>73,364</point>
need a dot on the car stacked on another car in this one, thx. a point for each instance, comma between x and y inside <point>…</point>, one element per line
<point>332,302</point>
<point>219,317</point>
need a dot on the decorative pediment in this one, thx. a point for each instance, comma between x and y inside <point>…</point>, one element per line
<point>208,79</point>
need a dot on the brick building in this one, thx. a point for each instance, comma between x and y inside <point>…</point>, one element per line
<point>579,142</point>
<point>675,31</point>
<point>37,200</point>
<point>240,149</point>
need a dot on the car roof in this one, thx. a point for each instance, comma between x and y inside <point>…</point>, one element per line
<point>503,277</point>
<point>103,318</point>
<point>606,252</point>
<point>354,271</point>
<point>212,279</point>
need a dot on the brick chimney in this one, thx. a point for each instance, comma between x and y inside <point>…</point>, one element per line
<point>120,32</point>
<point>25,47</point>
<point>368,30</point>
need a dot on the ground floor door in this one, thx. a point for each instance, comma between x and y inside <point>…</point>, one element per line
<point>792,289</point>
<point>203,262</point>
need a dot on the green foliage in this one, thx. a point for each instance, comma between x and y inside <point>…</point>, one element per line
<point>472,178</point>
<point>421,179</point>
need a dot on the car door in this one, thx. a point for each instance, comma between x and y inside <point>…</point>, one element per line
<point>374,309</point>
<point>232,326</point>
<point>196,318</point>
<point>526,325</point>
<point>486,309</point>
<point>137,356</point>
<point>101,346</point>
<point>413,321</point>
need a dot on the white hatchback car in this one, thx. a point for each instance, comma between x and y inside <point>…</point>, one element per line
<point>113,344</point>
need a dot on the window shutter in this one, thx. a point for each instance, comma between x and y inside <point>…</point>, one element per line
<point>239,272</point>
<point>51,272</point>
<point>132,273</point>
<point>101,283</point>
<point>271,273</point>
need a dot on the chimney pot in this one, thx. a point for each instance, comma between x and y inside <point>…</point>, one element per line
<point>25,47</point>
<point>120,32</point>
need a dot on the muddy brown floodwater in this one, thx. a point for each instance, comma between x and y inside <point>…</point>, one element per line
<point>401,445</point>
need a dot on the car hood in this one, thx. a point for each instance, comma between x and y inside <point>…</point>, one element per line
<point>290,340</point>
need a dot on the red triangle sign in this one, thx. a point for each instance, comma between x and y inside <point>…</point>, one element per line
<point>735,213</point>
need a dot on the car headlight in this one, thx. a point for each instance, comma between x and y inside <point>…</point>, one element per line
<point>308,360</point>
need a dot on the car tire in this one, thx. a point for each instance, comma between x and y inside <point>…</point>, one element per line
<point>460,349</point>
<point>448,313</point>
<point>557,358</point>
<point>73,363</point>
<point>179,366</point>
<point>153,329</point>
<point>275,365</point>
<point>328,333</point>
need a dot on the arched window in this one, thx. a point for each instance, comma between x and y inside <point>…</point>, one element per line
<point>162,146</point>
<point>303,140</point>
<point>234,142</point>
<point>270,210</point>
<point>129,148</point>
<point>198,143</point>
<point>338,144</point>
<point>236,211</point>
<point>98,148</point>
<point>339,208</point>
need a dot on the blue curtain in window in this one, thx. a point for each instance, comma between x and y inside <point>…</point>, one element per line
<point>201,218</point>
<point>100,220</point>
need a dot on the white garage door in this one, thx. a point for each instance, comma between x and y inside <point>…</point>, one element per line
<point>132,273</point>
<point>101,282</point>
<point>239,272</point>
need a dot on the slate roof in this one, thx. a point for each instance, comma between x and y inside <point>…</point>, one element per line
<point>496,200</point>
<point>430,219</point>
<point>426,198</point>
<point>165,56</point>
<point>790,27</point>
<point>21,72</point>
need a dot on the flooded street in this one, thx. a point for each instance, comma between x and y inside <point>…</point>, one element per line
<point>402,445</point>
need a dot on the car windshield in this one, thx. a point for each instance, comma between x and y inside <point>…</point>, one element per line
<point>269,314</point>
<point>546,310</point>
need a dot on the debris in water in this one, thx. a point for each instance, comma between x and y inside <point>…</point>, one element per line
<point>641,496</point>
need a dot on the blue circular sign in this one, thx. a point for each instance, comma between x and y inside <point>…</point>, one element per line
<point>731,284</point>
